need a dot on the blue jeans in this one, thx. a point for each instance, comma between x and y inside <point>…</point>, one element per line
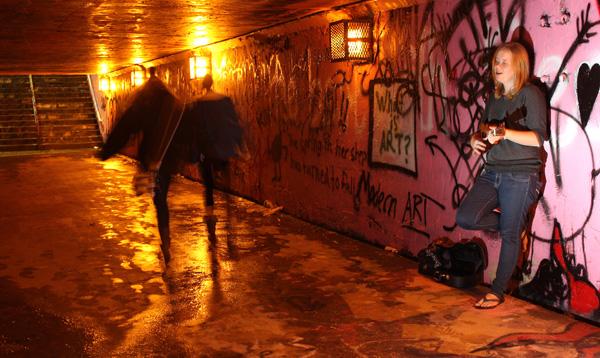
<point>513,193</point>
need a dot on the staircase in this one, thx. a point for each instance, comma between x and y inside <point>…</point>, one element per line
<point>18,126</point>
<point>65,111</point>
<point>46,112</point>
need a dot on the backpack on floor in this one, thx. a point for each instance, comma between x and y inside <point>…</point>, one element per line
<point>457,264</point>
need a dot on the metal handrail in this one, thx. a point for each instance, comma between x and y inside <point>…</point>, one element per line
<point>35,114</point>
<point>99,119</point>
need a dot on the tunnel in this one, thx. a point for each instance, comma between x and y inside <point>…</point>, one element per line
<point>361,132</point>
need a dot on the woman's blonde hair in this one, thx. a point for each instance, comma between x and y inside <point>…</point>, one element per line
<point>520,63</point>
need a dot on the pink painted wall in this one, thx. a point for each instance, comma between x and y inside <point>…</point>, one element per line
<point>310,124</point>
<point>560,266</point>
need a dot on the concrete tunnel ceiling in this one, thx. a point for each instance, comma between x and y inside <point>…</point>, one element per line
<point>95,36</point>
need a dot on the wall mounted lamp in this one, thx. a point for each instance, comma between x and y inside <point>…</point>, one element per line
<point>200,66</point>
<point>107,84</point>
<point>351,40</point>
<point>104,84</point>
<point>138,75</point>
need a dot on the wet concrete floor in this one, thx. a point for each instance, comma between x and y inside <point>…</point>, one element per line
<point>81,274</point>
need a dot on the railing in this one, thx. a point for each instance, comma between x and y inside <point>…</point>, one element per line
<point>98,117</point>
<point>35,114</point>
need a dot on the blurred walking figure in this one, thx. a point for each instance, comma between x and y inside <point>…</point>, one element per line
<point>218,133</point>
<point>154,114</point>
<point>205,131</point>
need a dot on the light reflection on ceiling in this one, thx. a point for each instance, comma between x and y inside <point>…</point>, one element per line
<point>99,36</point>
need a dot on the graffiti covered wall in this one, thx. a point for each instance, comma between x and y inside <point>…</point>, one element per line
<point>558,266</point>
<point>380,150</point>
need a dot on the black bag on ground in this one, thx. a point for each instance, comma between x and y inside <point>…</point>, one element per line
<point>457,264</point>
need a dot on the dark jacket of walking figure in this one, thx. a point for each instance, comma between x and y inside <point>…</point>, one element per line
<point>217,131</point>
<point>514,127</point>
<point>153,113</point>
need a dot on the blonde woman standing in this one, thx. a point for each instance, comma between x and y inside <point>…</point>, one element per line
<point>514,127</point>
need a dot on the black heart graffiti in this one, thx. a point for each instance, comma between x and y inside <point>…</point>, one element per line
<point>588,83</point>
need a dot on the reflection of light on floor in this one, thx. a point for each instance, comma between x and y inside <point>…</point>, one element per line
<point>141,228</point>
<point>156,280</point>
<point>202,303</point>
<point>140,325</point>
<point>206,262</point>
<point>137,288</point>
<point>199,256</point>
<point>145,257</point>
<point>117,280</point>
<point>225,265</point>
<point>116,165</point>
<point>109,235</point>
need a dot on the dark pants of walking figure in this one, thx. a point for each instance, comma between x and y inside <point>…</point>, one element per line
<point>514,193</point>
<point>208,169</point>
<point>208,177</point>
<point>161,190</point>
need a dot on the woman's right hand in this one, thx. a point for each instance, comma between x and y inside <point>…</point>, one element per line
<point>478,143</point>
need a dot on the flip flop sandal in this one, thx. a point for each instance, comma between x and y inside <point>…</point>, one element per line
<point>484,300</point>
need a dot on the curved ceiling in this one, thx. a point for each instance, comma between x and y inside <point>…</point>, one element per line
<point>95,36</point>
